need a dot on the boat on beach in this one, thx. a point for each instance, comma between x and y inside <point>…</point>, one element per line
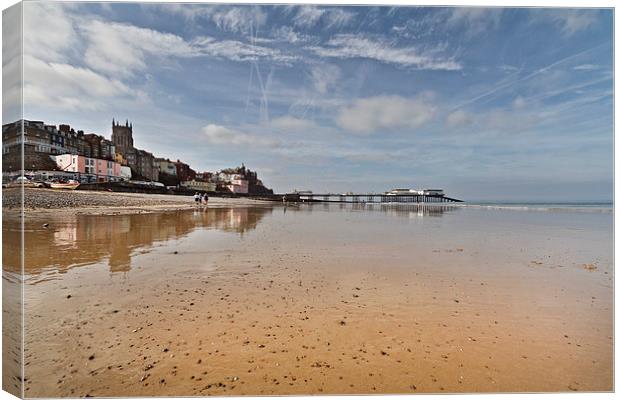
<point>71,185</point>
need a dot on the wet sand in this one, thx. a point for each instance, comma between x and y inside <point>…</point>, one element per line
<point>318,299</point>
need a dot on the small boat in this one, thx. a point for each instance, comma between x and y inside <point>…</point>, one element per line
<point>71,185</point>
<point>22,181</point>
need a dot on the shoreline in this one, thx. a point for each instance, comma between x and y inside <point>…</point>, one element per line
<point>43,200</point>
<point>40,201</point>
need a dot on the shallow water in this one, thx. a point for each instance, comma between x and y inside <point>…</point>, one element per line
<point>318,299</point>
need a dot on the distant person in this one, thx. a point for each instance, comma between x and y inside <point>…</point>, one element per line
<point>205,198</point>
<point>197,198</point>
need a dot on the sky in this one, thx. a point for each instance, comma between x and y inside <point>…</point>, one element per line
<point>486,103</point>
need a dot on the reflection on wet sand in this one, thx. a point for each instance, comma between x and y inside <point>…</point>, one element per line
<point>12,291</point>
<point>403,210</point>
<point>317,299</point>
<point>416,210</point>
<point>86,239</point>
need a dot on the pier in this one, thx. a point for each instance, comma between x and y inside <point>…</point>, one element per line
<point>369,198</point>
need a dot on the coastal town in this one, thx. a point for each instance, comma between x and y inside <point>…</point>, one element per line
<point>61,157</point>
<point>61,154</point>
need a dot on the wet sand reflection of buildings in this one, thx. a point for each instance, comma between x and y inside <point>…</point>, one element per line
<point>87,239</point>
<point>12,306</point>
<point>401,210</point>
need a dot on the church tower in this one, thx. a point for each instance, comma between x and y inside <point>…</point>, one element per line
<point>122,137</point>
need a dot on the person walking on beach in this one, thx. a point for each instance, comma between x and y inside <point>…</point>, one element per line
<point>197,198</point>
<point>205,198</point>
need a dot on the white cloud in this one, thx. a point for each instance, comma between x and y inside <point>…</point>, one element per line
<point>586,67</point>
<point>58,37</point>
<point>12,63</point>
<point>370,157</point>
<point>475,20</point>
<point>508,68</point>
<point>508,121</point>
<point>218,134</point>
<point>58,85</point>
<point>369,115</point>
<point>283,34</point>
<point>573,21</point>
<point>288,34</point>
<point>239,51</point>
<point>519,103</point>
<point>244,19</point>
<point>458,118</point>
<point>290,123</point>
<point>309,16</point>
<point>356,46</point>
<point>80,46</point>
<point>324,76</point>
<point>190,12</point>
<point>122,49</point>
<point>338,17</point>
<point>53,80</point>
<point>568,21</point>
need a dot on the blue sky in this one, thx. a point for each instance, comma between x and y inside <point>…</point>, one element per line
<point>487,103</point>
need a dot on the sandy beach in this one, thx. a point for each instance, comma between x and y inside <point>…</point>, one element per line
<point>95,202</point>
<point>316,300</point>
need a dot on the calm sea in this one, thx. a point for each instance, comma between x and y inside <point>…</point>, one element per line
<point>542,206</point>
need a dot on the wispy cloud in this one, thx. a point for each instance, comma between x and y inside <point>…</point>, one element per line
<point>509,90</point>
<point>293,124</point>
<point>221,135</point>
<point>309,16</point>
<point>123,49</point>
<point>239,51</point>
<point>586,67</point>
<point>356,46</point>
<point>458,118</point>
<point>573,21</point>
<point>286,34</point>
<point>515,78</point>
<point>245,19</point>
<point>113,54</point>
<point>324,76</point>
<point>474,20</point>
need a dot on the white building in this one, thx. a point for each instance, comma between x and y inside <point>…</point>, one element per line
<point>410,192</point>
<point>238,185</point>
<point>125,173</point>
<point>202,186</point>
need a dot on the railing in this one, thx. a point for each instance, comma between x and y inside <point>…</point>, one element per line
<point>370,198</point>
